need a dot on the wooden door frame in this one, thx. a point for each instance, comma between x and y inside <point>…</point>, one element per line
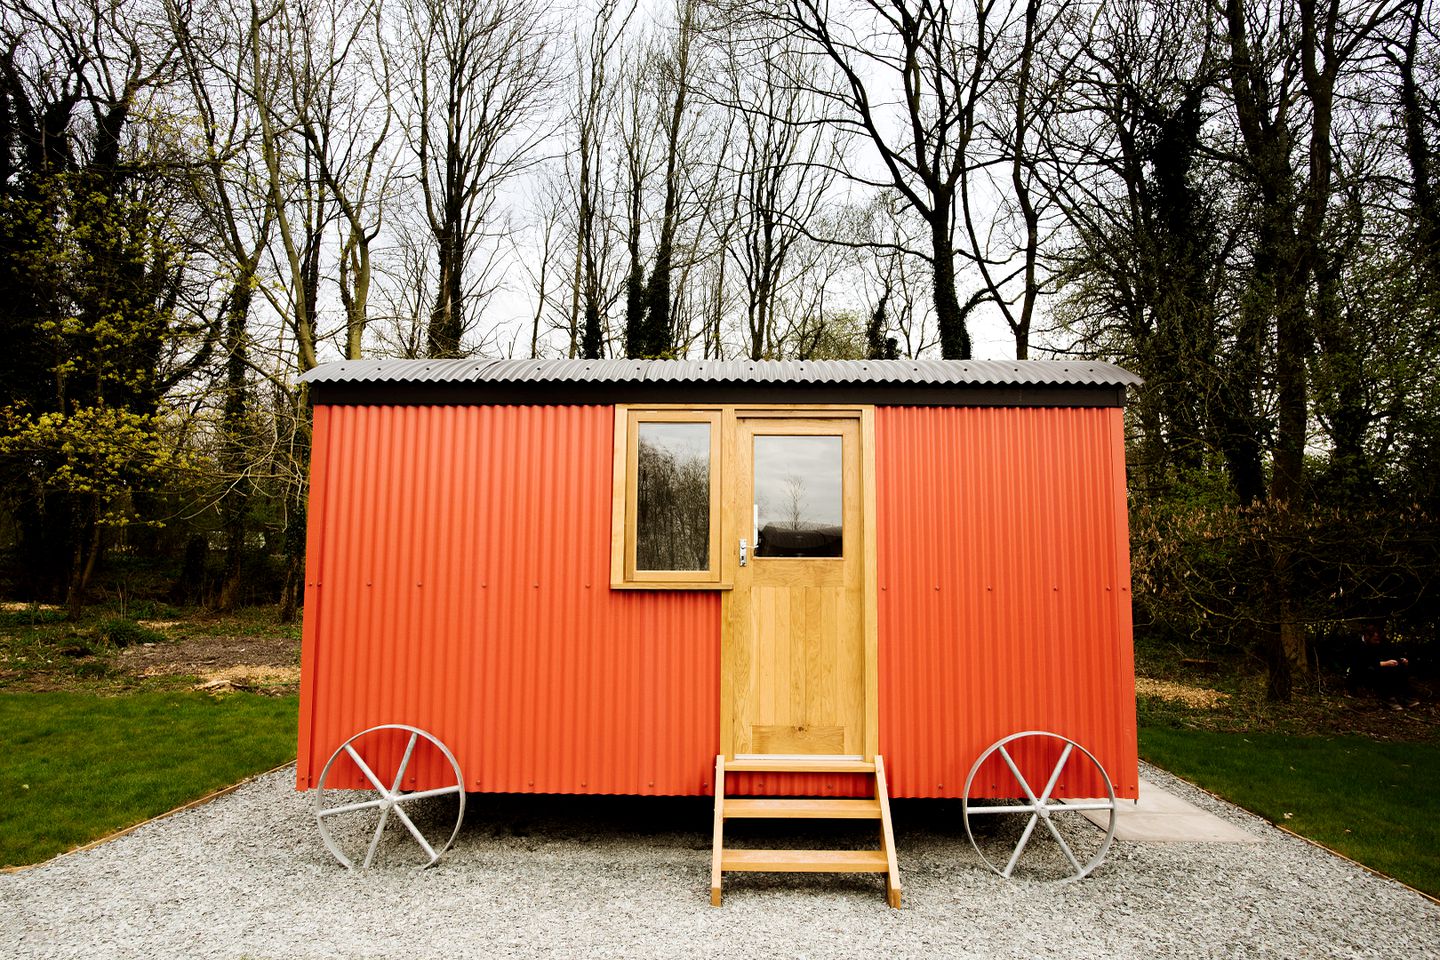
<point>733,530</point>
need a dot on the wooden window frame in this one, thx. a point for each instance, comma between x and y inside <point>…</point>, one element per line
<point>722,418</point>
<point>623,575</point>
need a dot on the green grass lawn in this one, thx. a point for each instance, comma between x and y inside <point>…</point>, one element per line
<point>1376,802</point>
<point>76,766</point>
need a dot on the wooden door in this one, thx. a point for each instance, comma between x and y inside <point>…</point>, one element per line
<point>795,652</point>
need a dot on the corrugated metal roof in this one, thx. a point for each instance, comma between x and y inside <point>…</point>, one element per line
<point>924,372</point>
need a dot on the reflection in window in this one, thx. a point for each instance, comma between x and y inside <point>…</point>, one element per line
<point>798,497</point>
<point>672,497</point>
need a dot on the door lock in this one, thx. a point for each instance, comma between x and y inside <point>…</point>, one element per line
<point>744,552</point>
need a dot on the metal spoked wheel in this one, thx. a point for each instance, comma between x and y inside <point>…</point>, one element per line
<point>1077,848</point>
<point>352,820</point>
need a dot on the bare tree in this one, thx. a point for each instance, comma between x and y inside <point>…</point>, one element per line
<point>302,211</point>
<point>896,279</point>
<point>340,103</point>
<point>656,337</point>
<point>214,62</point>
<point>637,138</point>
<point>1006,204</point>
<point>916,78</point>
<point>781,176</point>
<point>479,77</point>
<point>1418,67</point>
<point>593,104</point>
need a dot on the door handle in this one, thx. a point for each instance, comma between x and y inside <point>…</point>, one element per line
<point>744,552</point>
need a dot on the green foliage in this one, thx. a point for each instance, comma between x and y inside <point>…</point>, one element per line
<point>79,766</point>
<point>105,453</point>
<point>1200,562</point>
<point>33,615</point>
<point>1376,802</point>
<point>119,632</point>
<point>838,335</point>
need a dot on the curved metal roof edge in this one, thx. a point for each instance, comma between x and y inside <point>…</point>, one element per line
<point>729,372</point>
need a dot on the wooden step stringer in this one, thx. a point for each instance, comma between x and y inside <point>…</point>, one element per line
<point>813,861</point>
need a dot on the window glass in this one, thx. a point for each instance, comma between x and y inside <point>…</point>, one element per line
<point>672,496</point>
<point>798,497</point>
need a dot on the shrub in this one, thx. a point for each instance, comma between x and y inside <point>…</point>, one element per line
<point>119,632</point>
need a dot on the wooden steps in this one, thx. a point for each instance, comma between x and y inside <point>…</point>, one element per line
<point>803,809</point>
<point>881,860</point>
<point>753,765</point>
<point>806,861</point>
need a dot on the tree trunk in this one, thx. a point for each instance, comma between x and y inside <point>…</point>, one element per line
<point>88,545</point>
<point>446,318</point>
<point>954,337</point>
<point>235,454</point>
<point>292,588</point>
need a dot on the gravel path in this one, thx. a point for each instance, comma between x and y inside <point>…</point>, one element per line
<point>246,876</point>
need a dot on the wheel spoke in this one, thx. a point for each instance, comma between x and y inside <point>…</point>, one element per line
<point>404,762</point>
<point>350,808</point>
<point>1020,847</point>
<point>1024,784</point>
<point>1007,808</point>
<point>1055,774</point>
<point>422,794</point>
<point>1054,832</point>
<point>375,840</point>
<point>369,774</point>
<point>415,832</point>
<point>1082,805</point>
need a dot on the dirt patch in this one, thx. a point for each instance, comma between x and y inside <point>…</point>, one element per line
<point>273,680</point>
<point>267,664</point>
<point>1197,697</point>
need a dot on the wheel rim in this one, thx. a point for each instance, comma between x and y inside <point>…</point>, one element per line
<point>385,800</point>
<point>1040,807</point>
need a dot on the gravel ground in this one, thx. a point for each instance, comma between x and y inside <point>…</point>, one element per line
<point>246,876</point>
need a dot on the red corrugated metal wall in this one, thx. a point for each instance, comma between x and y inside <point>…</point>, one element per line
<point>458,580</point>
<point>1004,592</point>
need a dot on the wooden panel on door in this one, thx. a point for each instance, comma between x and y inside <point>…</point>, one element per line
<point>795,645</point>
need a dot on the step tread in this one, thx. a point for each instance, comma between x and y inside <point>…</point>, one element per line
<point>813,808</point>
<point>799,766</point>
<point>805,861</point>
